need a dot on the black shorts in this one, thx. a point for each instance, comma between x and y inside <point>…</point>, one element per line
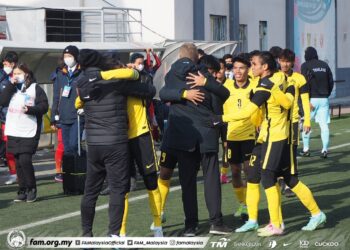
<point>254,169</point>
<point>289,164</point>
<point>294,133</point>
<point>143,151</point>
<point>275,155</point>
<point>168,159</point>
<point>239,151</point>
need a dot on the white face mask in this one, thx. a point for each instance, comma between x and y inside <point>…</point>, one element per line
<point>69,61</point>
<point>7,70</point>
<point>20,79</point>
<point>140,67</point>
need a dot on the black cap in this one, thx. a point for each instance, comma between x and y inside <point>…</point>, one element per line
<point>89,58</point>
<point>72,50</point>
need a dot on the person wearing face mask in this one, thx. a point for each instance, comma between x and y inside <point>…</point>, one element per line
<point>27,103</point>
<point>64,95</point>
<point>228,66</point>
<point>9,62</point>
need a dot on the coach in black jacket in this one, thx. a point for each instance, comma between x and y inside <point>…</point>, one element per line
<point>189,136</point>
<point>106,135</point>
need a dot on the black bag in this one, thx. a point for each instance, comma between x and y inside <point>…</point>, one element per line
<point>74,170</point>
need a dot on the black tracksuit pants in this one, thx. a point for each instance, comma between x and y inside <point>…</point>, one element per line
<point>188,163</point>
<point>25,171</point>
<point>113,161</point>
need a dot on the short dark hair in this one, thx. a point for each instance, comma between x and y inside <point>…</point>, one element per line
<point>227,56</point>
<point>242,59</point>
<point>275,51</point>
<point>288,55</point>
<point>222,61</point>
<point>110,60</point>
<point>135,56</point>
<point>211,62</point>
<point>201,52</point>
<point>267,58</point>
<point>11,57</point>
<point>253,53</point>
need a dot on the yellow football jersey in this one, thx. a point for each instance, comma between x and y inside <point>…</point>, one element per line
<point>299,82</point>
<point>275,126</point>
<point>239,130</point>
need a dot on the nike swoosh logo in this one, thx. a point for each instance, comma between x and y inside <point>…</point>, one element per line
<point>86,97</point>
<point>263,85</point>
<point>92,79</point>
<point>286,244</point>
<point>149,166</point>
<point>216,123</point>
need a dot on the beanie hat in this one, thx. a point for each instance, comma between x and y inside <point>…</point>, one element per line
<point>72,50</point>
<point>89,58</point>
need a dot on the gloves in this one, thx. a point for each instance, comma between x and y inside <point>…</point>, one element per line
<point>213,121</point>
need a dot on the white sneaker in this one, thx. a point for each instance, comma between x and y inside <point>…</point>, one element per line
<point>158,232</point>
<point>12,179</point>
<point>162,216</point>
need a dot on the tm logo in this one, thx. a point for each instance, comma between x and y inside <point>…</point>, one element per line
<point>222,243</point>
<point>272,244</point>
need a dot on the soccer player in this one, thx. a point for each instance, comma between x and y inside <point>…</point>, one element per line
<point>141,147</point>
<point>240,134</point>
<point>221,78</point>
<point>276,152</point>
<point>286,61</point>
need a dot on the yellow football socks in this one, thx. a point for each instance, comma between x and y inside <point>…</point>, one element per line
<point>305,196</point>
<point>252,200</point>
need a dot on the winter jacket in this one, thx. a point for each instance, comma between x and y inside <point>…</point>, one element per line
<point>105,107</point>
<point>64,106</point>
<point>186,123</point>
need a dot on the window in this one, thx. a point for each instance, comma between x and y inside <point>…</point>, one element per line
<point>243,38</point>
<point>63,25</point>
<point>218,25</point>
<point>263,35</point>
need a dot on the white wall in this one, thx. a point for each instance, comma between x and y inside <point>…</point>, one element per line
<point>272,11</point>
<point>183,20</point>
<point>19,21</point>
<point>343,32</point>
<point>218,7</point>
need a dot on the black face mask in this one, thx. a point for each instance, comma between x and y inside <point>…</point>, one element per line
<point>229,66</point>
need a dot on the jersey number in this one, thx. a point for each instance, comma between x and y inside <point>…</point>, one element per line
<point>239,103</point>
<point>252,160</point>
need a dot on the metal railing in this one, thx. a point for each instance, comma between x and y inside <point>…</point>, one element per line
<point>111,25</point>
